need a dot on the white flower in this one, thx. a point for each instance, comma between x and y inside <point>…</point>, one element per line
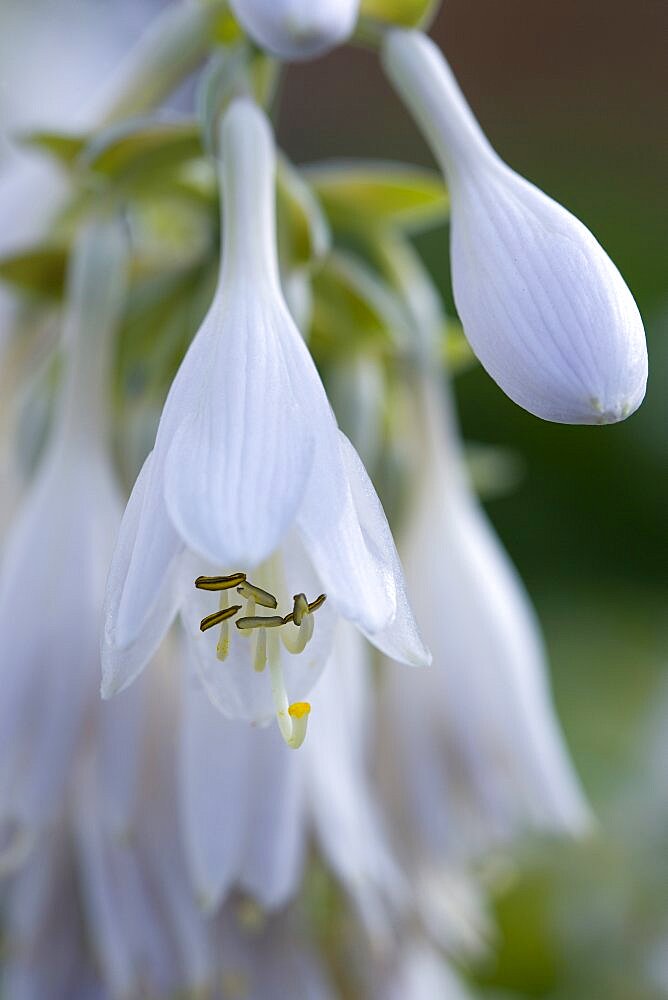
<point>545,309</point>
<point>260,845</point>
<point>56,559</point>
<point>251,477</point>
<point>477,751</point>
<point>297,29</point>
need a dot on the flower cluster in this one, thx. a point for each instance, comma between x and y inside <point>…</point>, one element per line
<point>169,824</point>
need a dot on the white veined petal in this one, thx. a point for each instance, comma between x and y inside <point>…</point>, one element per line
<point>543,306</point>
<point>487,757</point>
<point>237,467</point>
<point>143,587</point>
<point>339,791</point>
<point>297,29</point>
<point>215,786</point>
<point>400,637</point>
<point>275,846</point>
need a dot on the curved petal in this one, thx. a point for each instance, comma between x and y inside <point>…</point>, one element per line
<point>237,467</point>
<point>214,790</point>
<point>545,309</point>
<point>297,29</point>
<point>357,560</point>
<point>345,815</point>
<point>143,587</point>
<point>240,791</point>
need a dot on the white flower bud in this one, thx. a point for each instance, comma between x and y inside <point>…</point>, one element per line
<point>297,29</point>
<point>545,309</point>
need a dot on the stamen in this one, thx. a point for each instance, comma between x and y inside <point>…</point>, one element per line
<point>292,718</point>
<point>318,603</point>
<point>295,639</point>
<point>219,616</point>
<point>259,621</point>
<point>260,659</point>
<point>300,608</point>
<point>223,645</point>
<point>219,582</point>
<point>260,596</point>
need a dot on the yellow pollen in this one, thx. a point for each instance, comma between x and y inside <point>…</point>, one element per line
<point>298,709</point>
<point>219,582</point>
<point>218,616</point>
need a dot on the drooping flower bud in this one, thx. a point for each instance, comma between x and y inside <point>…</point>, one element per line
<point>297,29</point>
<point>543,306</point>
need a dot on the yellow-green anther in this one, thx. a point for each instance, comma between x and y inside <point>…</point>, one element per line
<point>259,621</point>
<point>318,603</point>
<point>260,596</point>
<point>219,582</point>
<point>218,616</point>
<point>300,608</point>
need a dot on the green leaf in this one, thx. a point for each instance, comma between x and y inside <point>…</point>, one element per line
<point>303,233</point>
<point>402,13</point>
<point>139,153</point>
<point>62,147</point>
<point>356,194</point>
<point>352,309</point>
<point>457,352</point>
<point>40,270</point>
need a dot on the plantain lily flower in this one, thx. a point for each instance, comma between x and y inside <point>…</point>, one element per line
<point>543,306</point>
<point>487,760</point>
<point>297,29</point>
<point>260,847</point>
<point>253,515</point>
<point>56,557</point>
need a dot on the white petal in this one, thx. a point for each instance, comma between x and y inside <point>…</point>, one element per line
<point>543,306</point>
<point>486,757</point>
<point>237,467</point>
<point>339,792</point>
<point>400,637</point>
<point>214,792</point>
<point>297,29</point>
<point>144,584</point>
<point>241,803</point>
<point>241,438</point>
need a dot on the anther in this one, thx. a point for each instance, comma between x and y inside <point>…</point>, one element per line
<point>219,582</point>
<point>218,616</point>
<point>318,603</point>
<point>259,621</point>
<point>260,596</point>
<point>300,608</point>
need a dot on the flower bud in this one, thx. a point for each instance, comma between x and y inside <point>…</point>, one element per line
<point>297,29</point>
<point>543,306</point>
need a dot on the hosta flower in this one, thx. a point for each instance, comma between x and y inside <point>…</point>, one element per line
<point>486,759</point>
<point>253,514</point>
<point>260,846</point>
<point>545,309</point>
<point>55,560</point>
<point>297,29</point>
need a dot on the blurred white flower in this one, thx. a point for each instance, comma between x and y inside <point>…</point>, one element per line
<point>297,29</point>
<point>544,307</point>
<point>260,845</point>
<point>56,558</point>
<point>251,473</point>
<point>485,760</point>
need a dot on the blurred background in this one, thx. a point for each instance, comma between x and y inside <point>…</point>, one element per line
<point>573,96</point>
